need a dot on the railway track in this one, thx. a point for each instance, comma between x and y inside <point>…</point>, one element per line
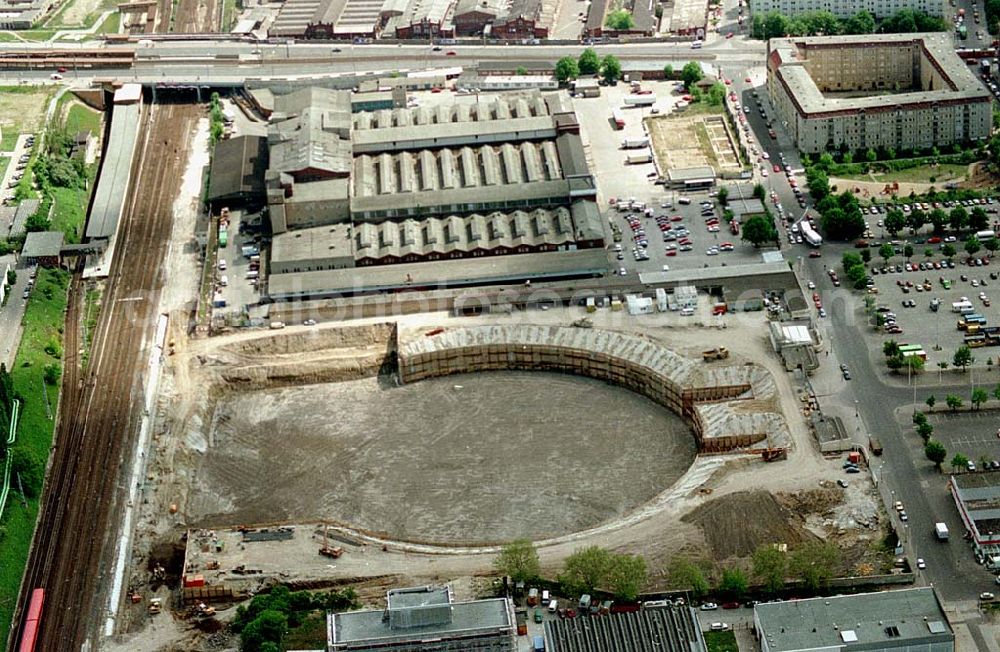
<point>99,414</point>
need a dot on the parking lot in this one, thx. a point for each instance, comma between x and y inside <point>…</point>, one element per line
<point>946,281</point>
<point>973,434</point>
<point>620,181</point>
<point>233,269</point>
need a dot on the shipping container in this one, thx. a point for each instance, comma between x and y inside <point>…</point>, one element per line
<point>637,159</point>
<point>640,100</point>
<point>635,143</point>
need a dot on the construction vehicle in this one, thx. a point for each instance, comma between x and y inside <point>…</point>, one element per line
<point>334,552</point>
<point>718,353</point>
<point>774,454</point>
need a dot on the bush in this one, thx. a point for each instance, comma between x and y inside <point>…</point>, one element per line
<point>53,347</point>
<point>51,374</point>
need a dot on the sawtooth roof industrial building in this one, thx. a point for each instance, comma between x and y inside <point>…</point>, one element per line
<point>466,179</point>
<point>908,619</point>
<point>876,91</point>
<point>425,618</point>
<point>651,629</point>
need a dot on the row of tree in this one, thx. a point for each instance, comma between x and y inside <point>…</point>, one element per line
<point>624,575</point>
<point>588,63</point>
<point>774,24</point>
<point>266,621</point>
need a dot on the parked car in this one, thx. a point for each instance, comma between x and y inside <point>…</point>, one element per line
<point>708,606</point>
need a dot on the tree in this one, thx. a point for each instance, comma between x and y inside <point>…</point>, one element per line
<point>938,219</point>
<point>567,69</point>
<point>686,575</point>
<point>26,465</point>
<point>814,563</point>
<point>886,251</point>
<point>770,567</point>
<point>11,277</point>
<point>958,218</point>
<point>51,374</point>
<point>992,245</point>
<point>620,19</point>
<point>953,402</point>
<point>586,569</point>
<point>960,461</point>
<point>935,452</point>
<point>996,392</point>
<point>775,25</point>
<point>915,363</point>
<point>925,430</point>
<point>588,62</point>
<point>978,219</point>
<point>972,245</point>
<point>890,348</point>
<point>908,251</point>
<point>894,221</point>
<point>521,71</point>
<point>519,560</point>
<point>759,191</point>
<point>269,627</point>
<point>668,71</point>
<point>979,396</point>
<point>722,195</point>
<point>918,418</point>
<point>819,184</point>
<point>626,576</point>
<point>759,229</point>
<point>611,68</point>
<point>895,362</point>
<point>691,74</point>
<point>870,155</point>
<point>860,23</point>
<point>717,94</point>
<point>916,219</point>
<point>733,583</point>
<point>948,250</point>
<point>930,401</point>
<point>963,357</point>
<point>866,256</point>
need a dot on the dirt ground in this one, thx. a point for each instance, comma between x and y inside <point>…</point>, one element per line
<point>469,469</point>
<point>372,453</point>
<point>677,144</point>
<point>77,11</point>
<point>23,112</point>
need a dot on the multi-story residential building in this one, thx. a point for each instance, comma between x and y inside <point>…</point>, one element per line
<point>885,91</point>
<point>847,8</point>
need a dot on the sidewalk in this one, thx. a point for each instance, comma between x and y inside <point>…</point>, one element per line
<point>11,315</point>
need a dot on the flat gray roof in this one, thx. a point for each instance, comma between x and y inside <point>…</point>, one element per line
<point>321,242</point>
<point>702,276</point>
<point>689,174</point>
<point>443,134</point>
<point>745,206</point>
<point>42,244</point>
<point>867,620</point>
<point>788,57</point>
<point>438,274</point>
<point>116,169</point>
<point>979,494</point>
<point>24,210</point>
<point>477,616</point>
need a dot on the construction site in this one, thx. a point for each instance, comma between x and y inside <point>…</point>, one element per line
<point>411,450</point>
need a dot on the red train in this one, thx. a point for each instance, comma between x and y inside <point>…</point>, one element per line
<point>32,621</point>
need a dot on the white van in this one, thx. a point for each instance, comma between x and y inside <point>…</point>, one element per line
<point>553,606</point>
<point>687,312</point>
<point>545,592</point>
<point>696,45</point>
<point>684,200</point>
<point>224,280</point>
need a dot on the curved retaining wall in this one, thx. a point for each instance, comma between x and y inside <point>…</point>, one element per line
<point>633,362</point>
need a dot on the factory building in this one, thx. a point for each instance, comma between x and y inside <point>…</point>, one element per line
<point>977,497</point>
<point>425,619</point>
<point>880,92</point>
<point>464,179</point>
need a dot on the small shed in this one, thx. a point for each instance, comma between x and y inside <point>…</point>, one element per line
<point>42,248</point>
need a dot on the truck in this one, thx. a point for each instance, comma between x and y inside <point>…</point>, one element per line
<point>640,100</point>
<point>941,531</point>
<point>985,235</point>
<point>875,445</point>
<point>635,143</point>
<point>959,306</point>
<point>617,118</point>
<point>718,353</point>
<point>636,159</point>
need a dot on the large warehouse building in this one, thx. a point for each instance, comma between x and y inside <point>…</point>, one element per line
<point>463,181</point>
<point>882,91</point>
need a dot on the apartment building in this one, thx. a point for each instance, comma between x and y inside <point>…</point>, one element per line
<point>899,91</point>
<point>846,8</point>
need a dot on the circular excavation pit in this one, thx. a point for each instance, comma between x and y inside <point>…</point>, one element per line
<point>465,459</point>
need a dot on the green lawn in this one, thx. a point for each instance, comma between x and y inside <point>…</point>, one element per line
<point>8,140</point>
<point>111,24</point>
<point>4,162</point>
<point>70,212</point>
<point>43,323</point>
<point>57,20</point>
<point>721,642</point>
<point>942,173</point>
<point>80,117</point>
<point>309,635</point>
